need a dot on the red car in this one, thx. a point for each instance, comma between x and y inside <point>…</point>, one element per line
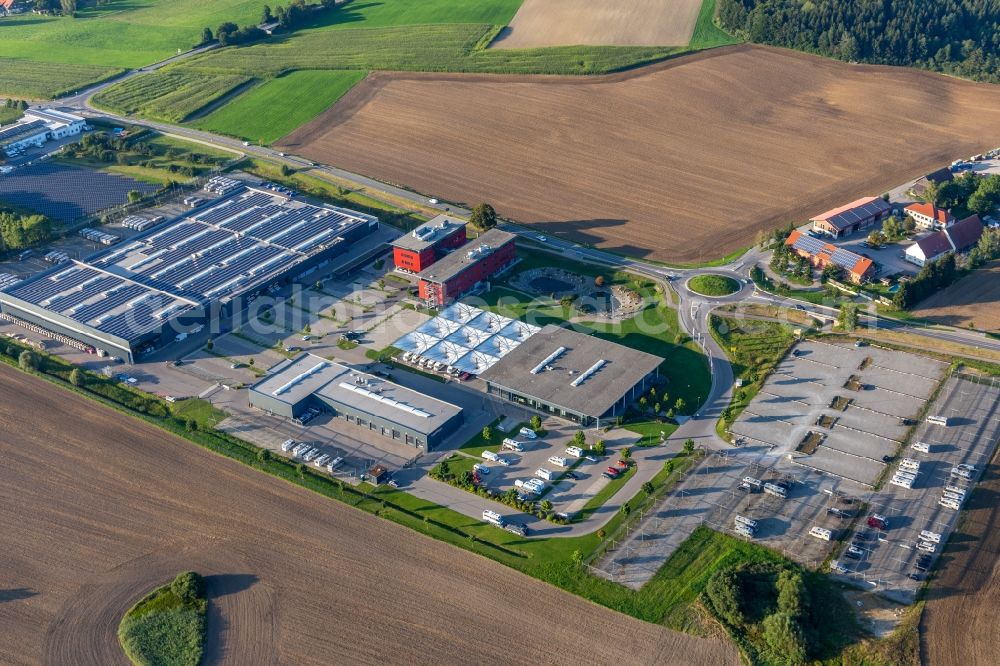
<point>623,463</point>
<point>878,522</point>
<point>614,471</point>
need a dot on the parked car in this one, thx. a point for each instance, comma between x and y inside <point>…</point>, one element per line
<point>854,552</point>
<point>482,469</point>
<point>529,433</point>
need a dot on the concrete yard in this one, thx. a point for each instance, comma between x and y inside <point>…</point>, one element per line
<point>974,409</point>
<point>568,495</point>
<point>853,402</point>
<point>710,495</point>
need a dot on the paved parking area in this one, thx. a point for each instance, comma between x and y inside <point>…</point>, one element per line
<point>568,495</point>
<point>840,409</point>
<point>888,557</point>
<point>711,495</point>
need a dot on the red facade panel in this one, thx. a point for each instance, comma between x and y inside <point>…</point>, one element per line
<point>413,261</point>
<point>454,287</point>
<point>416,261</point>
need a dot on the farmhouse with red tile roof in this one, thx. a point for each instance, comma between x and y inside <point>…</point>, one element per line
<point>959,237</point>
<point>929,216</point>
<point>821,254</point>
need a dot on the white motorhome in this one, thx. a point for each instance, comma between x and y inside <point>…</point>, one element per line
<point>821,533</point>
<point>493,517</point>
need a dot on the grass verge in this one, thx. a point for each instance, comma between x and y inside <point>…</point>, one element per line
<point>754,348</point>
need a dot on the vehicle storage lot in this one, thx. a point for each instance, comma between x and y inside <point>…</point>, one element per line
<point>359,449</point>
<point>790,135</point>
<point>711,495</point>
<point>99,508</point>
<point>855,399</point>
<point>568,495</point>
<point>971,438</point>
<point>965,597</point>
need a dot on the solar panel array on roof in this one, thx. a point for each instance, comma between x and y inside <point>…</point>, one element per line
<point>15,132</point>
<point>108,303</point>
<point>845,258</point>
<point>219,252</point>
<point>809,244</point>
<point>855,212</point>
<point>838,256</point>
<point>232,245</point>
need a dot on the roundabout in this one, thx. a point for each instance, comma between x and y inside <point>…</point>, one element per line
<point>713,285</point>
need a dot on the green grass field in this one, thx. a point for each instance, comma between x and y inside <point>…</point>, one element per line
<point>163,629</point>
<point>706,34</point>
<point>121,33</point>
<point>269,111</point>
<point>448,47</point>
<point>406,12</point>
<point>8,116</point>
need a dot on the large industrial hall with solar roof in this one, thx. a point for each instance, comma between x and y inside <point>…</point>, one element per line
<point>134,295</point>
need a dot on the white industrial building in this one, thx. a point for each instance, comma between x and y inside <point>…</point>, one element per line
<point>38,126</point>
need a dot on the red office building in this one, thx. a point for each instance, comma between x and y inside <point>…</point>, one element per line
<point>463,270</point>
<point>427,243</point>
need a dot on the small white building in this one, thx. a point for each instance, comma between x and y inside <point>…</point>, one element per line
<point>929,216</point>
<point>38,126</point>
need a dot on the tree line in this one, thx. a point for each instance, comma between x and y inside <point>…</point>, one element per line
<point>967,193</point>
<point>287,18</point>
<point>960,37</point>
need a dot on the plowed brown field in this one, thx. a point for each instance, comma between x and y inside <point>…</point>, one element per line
<point>96,509</point>
<point>959,626</point>
<point>975,299</point>
<point>682,161</point>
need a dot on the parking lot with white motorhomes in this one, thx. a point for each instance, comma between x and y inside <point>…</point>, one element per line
<point>552,467</point>
<point>759,492</point>
<point>945,461</point>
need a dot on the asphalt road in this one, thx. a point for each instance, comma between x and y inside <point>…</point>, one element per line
<point>694,309</point>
